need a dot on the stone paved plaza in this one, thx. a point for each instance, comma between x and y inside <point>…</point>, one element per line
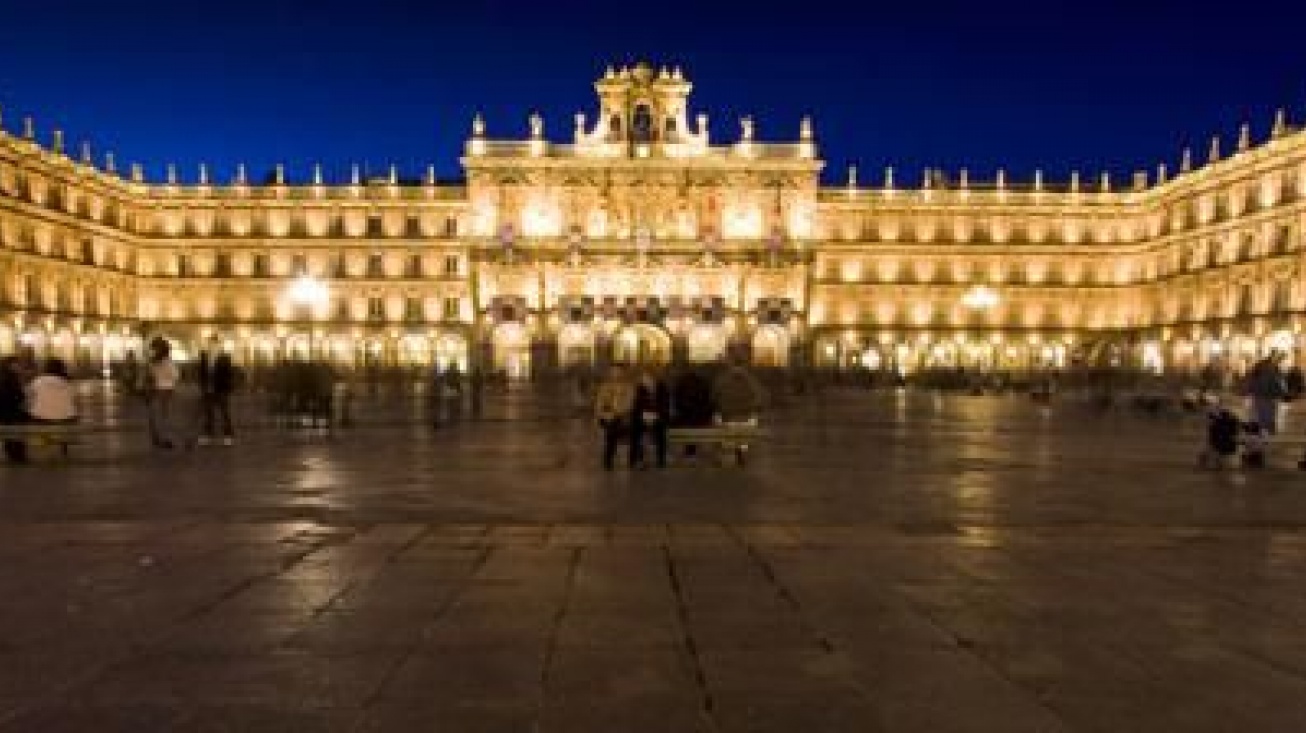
<point>888,562</point>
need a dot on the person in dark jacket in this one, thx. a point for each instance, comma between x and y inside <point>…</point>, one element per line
<point>650,418</point>
<point>217,377</point>
<point>13,406</point>
<point>691,404</point>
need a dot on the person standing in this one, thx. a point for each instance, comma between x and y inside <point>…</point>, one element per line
<point>13,406</point>
<point>1266,389</point>
<point>691,404</point>
<point>613,403</point>
<point>649,418</point>
<point>217,383</point>
<point>162,376</point>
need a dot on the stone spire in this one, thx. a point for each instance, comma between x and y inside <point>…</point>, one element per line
<point>1186,161</point>
<point>171,173</point>
<point>1038,179</point>
<point>204,174</point>
<point>279,175</point>
<point>1162,174</point>
<point>317,174</point>
<point>56,142</point>
<point>745,129</point>
<point>537,126</point>
<point>355,175</point>
<point>805,129</point>
<point>1106,182</point>
<point>1244,137</point>
<point>1280,124</point>
<point>138,173</point>
<point>393,176</point>
<point>29,129</point>
<point>963,178</point>
<point>888,177</point>
<point>1074,181</point>
<point>1213,155</point>
<point>579,132</point>
<point>430,175</point>
<point>86,154</point>
<point>242,176</point>
<point>110,163</point>
<point>852,176</point>
<point>1002,179</point>
<point>478,125</point>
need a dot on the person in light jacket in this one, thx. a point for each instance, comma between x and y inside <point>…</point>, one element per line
<point>612,408</point>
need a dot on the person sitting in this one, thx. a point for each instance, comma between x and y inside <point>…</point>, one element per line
<point>737,394</point>
<point>50,397</point>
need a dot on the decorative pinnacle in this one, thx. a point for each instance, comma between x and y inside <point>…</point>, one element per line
<point>242,176</point>
<point>29,129</point>
<point>317,174</point>
<point>745,129</point>
<point>430,175</point>
<point>1074,181</point>
<point>1244,137</point>
<point>888,177</point>
<point>1213,155</point>
<point>1106,182</point>
<point>1280,123</point>
<point>537,126</point>
<point>86,154</point>
<point>172,174</point>
<point>1186,161</point>
<point>56,142</point>
<point>927,179</point>
<point>279,174</point>
<point>138,173</point>
<point>1162,173</point>
<point>964,178</point>
<point>805,129</point>
<point>478,125</point>
<point>394,175</point>
<point>110,164</point>
<point>204,174</point>
<point>852,176</point>
<point>355,175</point>
<point>1038,179</point>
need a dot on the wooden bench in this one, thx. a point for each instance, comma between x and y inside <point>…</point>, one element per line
<point>63,435</point>
<point>735,437</point>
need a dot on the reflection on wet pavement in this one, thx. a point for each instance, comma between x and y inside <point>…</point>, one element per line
<point>885,563</point>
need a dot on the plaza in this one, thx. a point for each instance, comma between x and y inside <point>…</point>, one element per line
<point>891,560</point>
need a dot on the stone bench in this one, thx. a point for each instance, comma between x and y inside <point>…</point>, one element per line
<point>736,437</point>
<point>63,435</point>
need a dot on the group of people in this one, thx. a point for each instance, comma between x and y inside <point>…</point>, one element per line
<point>157,384</point>
<point>32,394</point>
<point>643,407</point>
<point>1267,387</point>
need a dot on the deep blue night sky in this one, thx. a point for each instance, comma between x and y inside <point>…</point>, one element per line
<point>949,84</point>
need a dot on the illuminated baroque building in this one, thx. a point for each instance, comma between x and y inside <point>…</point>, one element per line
<point>642,240</point>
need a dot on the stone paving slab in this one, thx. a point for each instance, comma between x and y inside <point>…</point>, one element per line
<point>964,564</point>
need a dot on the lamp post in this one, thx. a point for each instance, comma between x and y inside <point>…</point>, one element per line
<point>308,292</point>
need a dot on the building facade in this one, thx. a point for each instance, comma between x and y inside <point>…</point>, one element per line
<point>643,240</point>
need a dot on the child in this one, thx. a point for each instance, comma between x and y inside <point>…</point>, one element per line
<point>1221,438</point>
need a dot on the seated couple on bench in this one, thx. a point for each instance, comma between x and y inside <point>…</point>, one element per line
<point>691,412</point>
<point>35,407</point>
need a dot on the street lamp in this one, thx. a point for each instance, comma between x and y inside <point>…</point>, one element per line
<point>308,291</point>
<point>980,298</point>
